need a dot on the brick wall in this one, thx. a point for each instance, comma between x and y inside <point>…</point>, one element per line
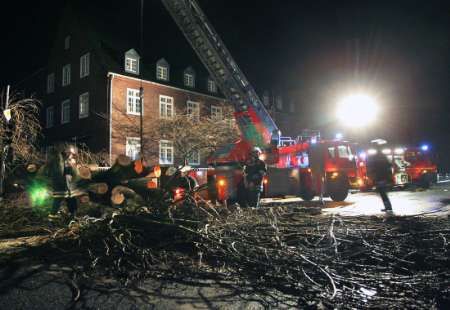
<point>125,125</point>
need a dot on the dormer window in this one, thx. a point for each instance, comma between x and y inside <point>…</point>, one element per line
<point>132,61</point>
<point>189,77</point>
<point>162,70</point>
<point>212,87</point>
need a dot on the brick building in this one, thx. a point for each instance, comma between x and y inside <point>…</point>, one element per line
<point>93,80</point>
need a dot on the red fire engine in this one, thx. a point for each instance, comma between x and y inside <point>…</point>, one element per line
<point>305,167</point>
<point>411,165</point>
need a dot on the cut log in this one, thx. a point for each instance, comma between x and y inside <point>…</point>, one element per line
<point>84,172</point>
<point>98,188</point>
<point>122,195</point>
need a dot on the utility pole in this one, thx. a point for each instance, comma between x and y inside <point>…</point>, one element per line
<point>7,143</point>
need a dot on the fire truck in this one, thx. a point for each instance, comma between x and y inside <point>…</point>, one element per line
<point>306,166</point>
<point>410,165</point>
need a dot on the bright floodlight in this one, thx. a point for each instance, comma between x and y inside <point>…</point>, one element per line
<point>357,110</point>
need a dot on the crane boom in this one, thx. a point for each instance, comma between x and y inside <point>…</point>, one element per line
<point>255,123</point>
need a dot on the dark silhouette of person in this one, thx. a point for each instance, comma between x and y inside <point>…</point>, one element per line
<point>254,171</point>
<point>379,169</point>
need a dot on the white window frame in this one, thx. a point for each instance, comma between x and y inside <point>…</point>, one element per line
<point>216,112</point>
<point>164,147</point>
<point>133,102</point>
<point>164,103</point>
<point>50,117</point>
<point>83,105</point>
<point>189,80</point>
<point>212,86</point>
<point>84,65</point>
<point>66,73</point>
<point>194,158</point>
<point>50,83</point>
<point>64,104</point>
<point>132,65</point>
<point>133,147</point>
<point>193,109</point>
<point>67,40</point>
<point>162,72</point>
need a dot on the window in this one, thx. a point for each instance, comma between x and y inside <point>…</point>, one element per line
<point>331,152</point>
<point>162,73</point>
<point>50,117</point>
<point>343,151</point>
<point>279,103</point>
<point>50,83</point>
<point>165,152</point>
<point>189,80</point>
<point>291,107</point>
<point>133,101</point>
<point>67,43</point>
<point>133,147</point>
<point>131,65</point>
<point>193,109</point>
<point>212,88</point>
<point>65,111</point>
<point>194,158</point>
<point>84,105</point>
<point>165,106</point>
<point>216,112</point>
<point>84,65</point>
<point>66,75</point>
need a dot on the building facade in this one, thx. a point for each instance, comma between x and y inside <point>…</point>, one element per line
<point>92,86</point>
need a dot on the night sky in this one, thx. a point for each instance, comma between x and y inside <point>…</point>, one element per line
<point>399,51</point>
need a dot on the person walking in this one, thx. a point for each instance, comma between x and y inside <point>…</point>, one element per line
<point>379,169</point>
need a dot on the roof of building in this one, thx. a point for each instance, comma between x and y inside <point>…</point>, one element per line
<point>114,28</point>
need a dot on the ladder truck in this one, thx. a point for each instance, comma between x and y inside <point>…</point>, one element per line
<point>306,166</point>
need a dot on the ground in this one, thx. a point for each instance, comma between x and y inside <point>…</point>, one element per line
<point>31,284</point>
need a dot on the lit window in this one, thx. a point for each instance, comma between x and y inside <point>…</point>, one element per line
<point>189,80</point>
<point>331,152</point>
<point>66,75</point>
<point>165,152</point>
<point>193,109</point>
<point>131,65</point>
<point>84,105</point>
<point>133,102</point>
<point>162,73</point>
<point>50,83</point>
<point>165,106</point>
<point>50,119</point>
<point>67,43</point>
<point>194,158</point>
<point>343,151</point>
<point>65,111</point>
<point>212,87</point>
<point>216,112</point>
<point>133,147</point>
<point>84,65</point>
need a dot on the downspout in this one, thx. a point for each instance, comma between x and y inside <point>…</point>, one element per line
<point>110,84</point>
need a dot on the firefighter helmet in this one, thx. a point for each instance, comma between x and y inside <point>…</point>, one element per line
<point>255,152</point>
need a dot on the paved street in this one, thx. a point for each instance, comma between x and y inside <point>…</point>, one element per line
<point>432,202</point>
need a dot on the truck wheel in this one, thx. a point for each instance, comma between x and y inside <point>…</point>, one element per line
<point>306,194</point>
<point>338,189</point>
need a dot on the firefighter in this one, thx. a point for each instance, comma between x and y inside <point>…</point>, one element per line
<point>379,169</point>
<point>254,171</point>
<point>62,171</point>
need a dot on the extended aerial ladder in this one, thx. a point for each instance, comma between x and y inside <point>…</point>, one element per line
<point>256,126</point>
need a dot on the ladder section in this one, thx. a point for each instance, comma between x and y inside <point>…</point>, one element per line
<point>253,119</point>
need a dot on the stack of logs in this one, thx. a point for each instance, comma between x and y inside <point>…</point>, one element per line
<point>126,181</point>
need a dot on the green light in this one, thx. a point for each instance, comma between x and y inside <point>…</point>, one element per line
<point>39,195</point>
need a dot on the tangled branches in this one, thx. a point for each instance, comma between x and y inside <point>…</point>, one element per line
<point>349,262</point>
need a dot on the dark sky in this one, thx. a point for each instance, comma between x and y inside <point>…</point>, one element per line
<point>398,51</point>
